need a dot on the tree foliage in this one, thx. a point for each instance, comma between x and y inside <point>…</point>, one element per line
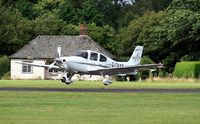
<point>168,36</point>
<point>15,31</point>
<point>46,6</point>
<point>4,65</point>
<point>139,8</point>
<point>48,24</point>
<point>26,8</point>
<point>169,30</point>
<point>192,5</point>
<point>103,35</point>
<point>131,36</point>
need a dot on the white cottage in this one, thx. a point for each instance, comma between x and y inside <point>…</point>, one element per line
<point>43,50</point>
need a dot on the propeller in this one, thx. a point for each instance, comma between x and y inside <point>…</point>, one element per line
<point>58,61</point>
<point>59,51</point>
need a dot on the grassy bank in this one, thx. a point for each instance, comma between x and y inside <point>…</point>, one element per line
<point>98,108</point>
<point>98,84</point>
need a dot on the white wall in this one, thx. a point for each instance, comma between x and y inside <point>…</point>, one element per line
<point>87,77</point>
<point>42,73</point>
<point>16,70</point>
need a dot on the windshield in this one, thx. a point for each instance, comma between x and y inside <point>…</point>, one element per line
<point>83,54</point>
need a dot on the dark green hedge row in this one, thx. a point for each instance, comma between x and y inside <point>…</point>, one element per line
<point>187,70</point>
<point>4,65</point>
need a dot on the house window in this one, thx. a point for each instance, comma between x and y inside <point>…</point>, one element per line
<point>53,72</point>
<point>27,68</point>
<point>93,56</point>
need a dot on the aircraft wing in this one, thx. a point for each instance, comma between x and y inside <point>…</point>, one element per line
<point>53,67</point>
<point>126,70</point>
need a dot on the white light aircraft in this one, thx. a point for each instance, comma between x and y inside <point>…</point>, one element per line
<point>94,63</point>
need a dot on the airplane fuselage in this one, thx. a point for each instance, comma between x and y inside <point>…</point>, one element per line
<point>80,64</point>
<point>94,63</point>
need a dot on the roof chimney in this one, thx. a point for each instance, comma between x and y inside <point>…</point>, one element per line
<point>83,29</point>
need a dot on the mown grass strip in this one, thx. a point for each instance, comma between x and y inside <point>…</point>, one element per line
<point>98,108</point>
<point>98,84</point>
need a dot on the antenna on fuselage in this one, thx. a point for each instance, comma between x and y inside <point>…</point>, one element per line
<point>59,51</point>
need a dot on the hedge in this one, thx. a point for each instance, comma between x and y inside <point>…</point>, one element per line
<point>187,70</point>
<point>4,65</point>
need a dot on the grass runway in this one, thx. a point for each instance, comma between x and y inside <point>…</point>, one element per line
<point>98,108</point>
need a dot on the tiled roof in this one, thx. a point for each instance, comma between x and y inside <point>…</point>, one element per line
<point>45,47</point>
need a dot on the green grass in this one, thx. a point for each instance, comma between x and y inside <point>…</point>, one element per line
<point>98,108</point>
<point>97,84</point>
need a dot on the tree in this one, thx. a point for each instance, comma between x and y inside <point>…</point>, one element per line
<point>76,12</point>
<point>90,14</point>
<point>111,10</point>
<point>26,8</point>
<point>138,9</point>
<point>172,35</point>
<point>4,65</point>
<point>48,24</point>
<point>103,35</point>
<point>192,5</point>
<point>46,6</point>
<point>68,13</point>
<point>15,31</point>
<point>128,37</point>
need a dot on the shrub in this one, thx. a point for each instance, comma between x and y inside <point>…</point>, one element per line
<point>4,65</point>
<point>187,70</point>
<point>6,76</point>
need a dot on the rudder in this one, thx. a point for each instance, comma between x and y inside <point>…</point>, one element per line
<point>136,56</point>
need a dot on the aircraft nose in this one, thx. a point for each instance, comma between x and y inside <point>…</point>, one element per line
<point>61,62</point>
<point>58,61</point>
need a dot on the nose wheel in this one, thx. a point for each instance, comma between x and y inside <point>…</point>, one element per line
<point>67,78</point>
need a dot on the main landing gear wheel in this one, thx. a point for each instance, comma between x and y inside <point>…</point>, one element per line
<point>107,81</point>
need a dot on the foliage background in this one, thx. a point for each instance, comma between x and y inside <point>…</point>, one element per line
<point>168,29</point>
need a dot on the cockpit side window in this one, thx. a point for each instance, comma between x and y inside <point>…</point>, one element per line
<point>103,58</point>
<point>83,54</point>
<point>93,56</point>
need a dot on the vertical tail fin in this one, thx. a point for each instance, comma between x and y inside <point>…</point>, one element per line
<point>136,56</point>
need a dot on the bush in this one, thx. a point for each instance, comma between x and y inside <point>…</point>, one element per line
<point>6,76</point>
<point>4,65</point>
<point>187,70</point>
